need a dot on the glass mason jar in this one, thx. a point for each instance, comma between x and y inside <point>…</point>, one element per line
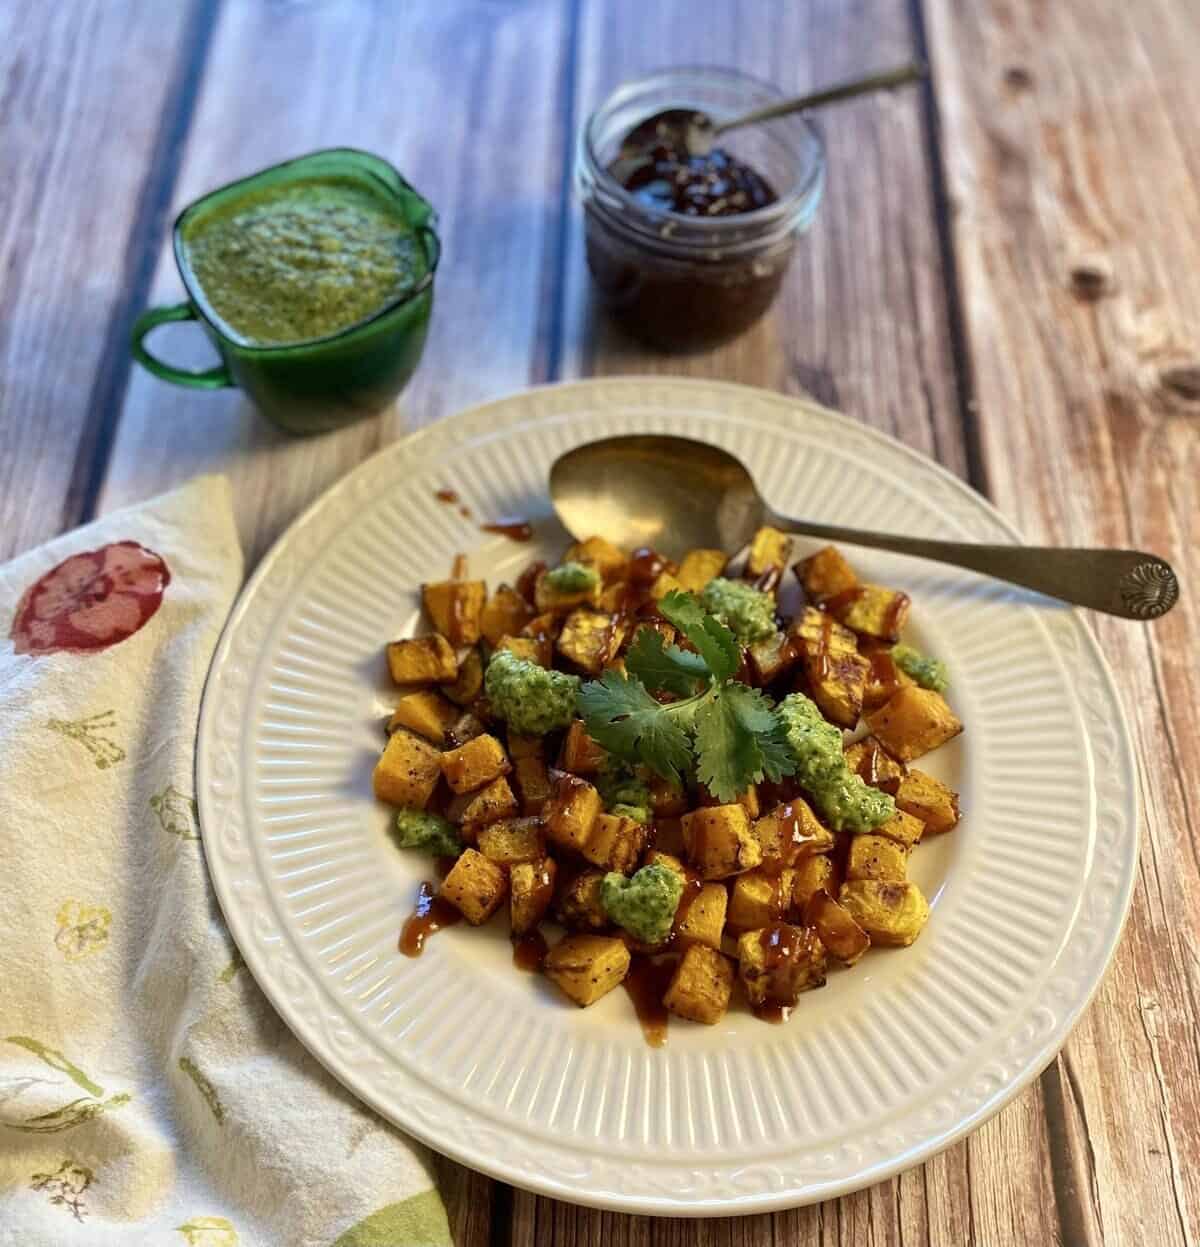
<point>683,282</point>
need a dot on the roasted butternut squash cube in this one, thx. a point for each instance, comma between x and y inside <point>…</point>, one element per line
<point>825,575</point>
<point>769,549</point>
<point>474,764</point>
<point>422,660</point>
<point>665,582</point>
<point>559,601</point>
<point>892,914</point>
<point>838,930</point>
<point>579,906</point>
<point>748,800</point>
<point>771,658</point>
<point>700,918</point>
<point>408,771</point>
<point>719,842</point>
<point>455,606</point>
<point>586,967</point>
<point>580,753</point>
<point>873,764</point>
<point>876,857</point>
<point>820,631</point>
<point>912,722</point>
<point>837,683</point>
<point>570,811</point>
<point>926,798</point>
<point>475,886</point>
<point>874,611</point>
<point>469,682</point>
<point>504,613</point>
<point>758,900</point>
<point>600,553</point>
<point>488,805</point>
<point>590,640</point>
<point>531,889</point>
<point>779,962</point>
<point>425,712</point>
<point>701,985</point>
<point>788,833</point>
<point>532,649</point>
<point>903,828</point>
<point>615,843</point>
<point>544,628</point>
<point>525,746</point>
<point>812,874</point>
<point>698,567</point>
<point>512,840</point>
<point>669,860</point>
<point>532,778</point>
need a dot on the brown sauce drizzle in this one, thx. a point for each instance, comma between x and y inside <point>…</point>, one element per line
<point>775,1014</point>
<point>445,495</point>
<point>884,673</point>
<point>892,616</point>
<point>458,569</point>
<point>529,951</point>
<point>465,512</point>
<point>512,527</point>
<point>796,839</point>
<point>646,566</point>
<point>429,916</point>
<point>841,602</point>
<point>646,983</point>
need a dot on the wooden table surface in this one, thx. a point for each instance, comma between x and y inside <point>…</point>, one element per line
<point>1005,274</point>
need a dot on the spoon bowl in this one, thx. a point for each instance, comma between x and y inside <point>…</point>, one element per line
<point>675,494</point>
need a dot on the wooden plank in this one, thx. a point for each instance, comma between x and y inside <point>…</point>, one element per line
<point>1074,171</point>
<point>90,97</point>
<point>441,90</point>
<point>862,323</point>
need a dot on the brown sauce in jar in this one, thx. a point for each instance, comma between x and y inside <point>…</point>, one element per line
<point>429,916</point>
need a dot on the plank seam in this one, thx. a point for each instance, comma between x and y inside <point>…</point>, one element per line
<point>107,393</point>
<point>552,321</point>
<point>964,379</point>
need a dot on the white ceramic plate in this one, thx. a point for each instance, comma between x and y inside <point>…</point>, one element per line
<point>884,1066</point>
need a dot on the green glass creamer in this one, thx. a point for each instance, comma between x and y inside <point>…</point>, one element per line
<point>314,281</point>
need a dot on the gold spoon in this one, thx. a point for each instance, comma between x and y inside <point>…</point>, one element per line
<point>676,494</point>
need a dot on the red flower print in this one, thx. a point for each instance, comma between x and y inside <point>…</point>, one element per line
<point>90,601</point>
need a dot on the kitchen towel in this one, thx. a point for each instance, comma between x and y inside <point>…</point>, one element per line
<point>149,1094</point>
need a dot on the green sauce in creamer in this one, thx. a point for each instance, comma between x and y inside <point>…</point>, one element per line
<point>302,260</point>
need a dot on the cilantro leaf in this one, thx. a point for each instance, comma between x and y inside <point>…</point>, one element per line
<point>664,667</point>
<point>622,717</point>
<point>712,639</point>
<point>738,741</point>
<point>754,711</point>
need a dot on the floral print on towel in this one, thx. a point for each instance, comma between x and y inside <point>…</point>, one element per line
<point>82,929</point>
<point>90,601</point>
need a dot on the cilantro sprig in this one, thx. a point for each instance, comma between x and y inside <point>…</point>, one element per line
<point>719,731</point>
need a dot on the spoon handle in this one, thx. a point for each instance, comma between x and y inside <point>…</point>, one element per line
<point>830,95</point>
<point>1128,583</point>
